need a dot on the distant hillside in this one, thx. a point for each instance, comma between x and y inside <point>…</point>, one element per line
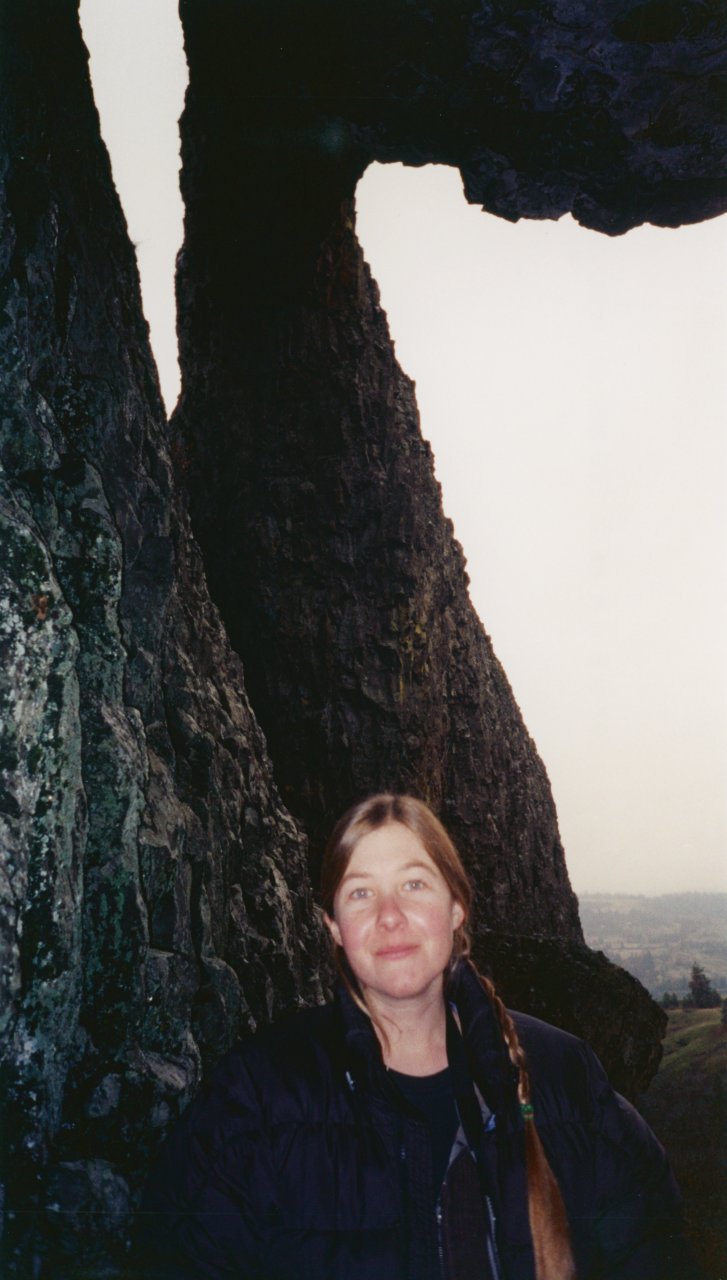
<point>659,939</point>
<point>686,1105</point>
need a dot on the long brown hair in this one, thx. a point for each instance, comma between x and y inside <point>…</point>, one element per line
<point>548,1220</point>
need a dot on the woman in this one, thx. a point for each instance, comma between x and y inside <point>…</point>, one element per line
<point>413,1129</point>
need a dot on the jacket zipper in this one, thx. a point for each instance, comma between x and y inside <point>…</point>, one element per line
<point>492,1241</point>
<point>494,1257</point>
<point>440,1244</point>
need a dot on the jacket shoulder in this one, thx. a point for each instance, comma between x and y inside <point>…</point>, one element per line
<point>613,1171</point>
<point>299,1033</point>
<point>544,1038</point>
<point>287,1058</point>
<point>270,1073</point>
<point>559,1061</point>
<point>569,1084</point>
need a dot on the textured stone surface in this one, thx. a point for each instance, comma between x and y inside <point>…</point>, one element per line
<point>611,109</point>
<point>312,492</point>
<point>583,992</point>
<point>345,592</point>
<point>154,895</point>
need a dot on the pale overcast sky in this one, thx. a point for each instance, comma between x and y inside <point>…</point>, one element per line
<point>574,390</point>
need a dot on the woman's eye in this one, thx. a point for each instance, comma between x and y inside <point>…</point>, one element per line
<point>414,884</point>
<point>357,894</point>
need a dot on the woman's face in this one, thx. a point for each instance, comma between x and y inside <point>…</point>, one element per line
<point>395,917</point>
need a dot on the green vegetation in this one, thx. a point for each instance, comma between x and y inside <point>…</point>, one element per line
<point>687,1107</point>
<point>701,994</point>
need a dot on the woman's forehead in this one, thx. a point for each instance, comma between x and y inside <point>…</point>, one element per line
<point>392,847</point>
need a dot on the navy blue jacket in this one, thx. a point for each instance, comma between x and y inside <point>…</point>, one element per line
<point>299,1160</point>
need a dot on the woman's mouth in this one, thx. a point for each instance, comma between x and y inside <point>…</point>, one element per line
<point>396,953</point>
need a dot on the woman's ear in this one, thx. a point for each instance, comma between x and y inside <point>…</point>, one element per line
<point>333,928</point>
<point>458,914</point>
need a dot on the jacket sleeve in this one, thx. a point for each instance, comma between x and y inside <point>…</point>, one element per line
<point>637,1224</point>
<point>207,1208</point>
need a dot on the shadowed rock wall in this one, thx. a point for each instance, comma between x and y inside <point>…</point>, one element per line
<point>583,992</point>
<point>610,109</point>
<point>313,495</point>
<point>154,896</point>
<point>312,492</point>
<point>341,583</point>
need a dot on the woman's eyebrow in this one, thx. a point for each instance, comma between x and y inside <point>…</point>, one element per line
<point>355,875</point>
<point>366,875</point>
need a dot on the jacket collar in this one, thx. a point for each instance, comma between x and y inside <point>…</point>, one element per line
<point>485,1049</point>
<point>362,1051</point>
<point>487,1056</point>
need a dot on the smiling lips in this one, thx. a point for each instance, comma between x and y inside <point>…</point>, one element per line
<point>396,953</point>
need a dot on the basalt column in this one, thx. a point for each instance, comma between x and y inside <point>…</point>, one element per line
<point>311,489</point>
<point>313,495</point>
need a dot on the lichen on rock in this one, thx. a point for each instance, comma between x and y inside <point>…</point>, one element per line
<point>145,849</point>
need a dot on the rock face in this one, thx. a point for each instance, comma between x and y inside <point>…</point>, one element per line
<point>154,898</point>
<point>343,588</point>
<point>312,492</point>
<point>156,893</point>
<point>582,992</point>
<point>609,109</point>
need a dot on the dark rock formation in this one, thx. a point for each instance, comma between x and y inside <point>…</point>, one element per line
<point>155,895</point>
<point>326,547</point>
<point>610,109</point>
<point>343,588</point>
<point>583,992</point>
<point>312,491</point>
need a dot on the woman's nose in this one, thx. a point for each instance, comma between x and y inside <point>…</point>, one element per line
<point>390,912</point>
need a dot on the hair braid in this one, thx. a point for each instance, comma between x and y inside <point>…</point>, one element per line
<point>548,1220</point>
